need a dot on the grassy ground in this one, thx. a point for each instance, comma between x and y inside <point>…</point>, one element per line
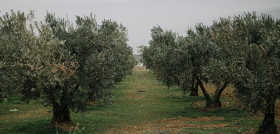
<point>156,110</point>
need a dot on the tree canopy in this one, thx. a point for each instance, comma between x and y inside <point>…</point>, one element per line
<point>63,65</point>
<point>242,51</point>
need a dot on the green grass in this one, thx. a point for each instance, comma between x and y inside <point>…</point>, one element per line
<point>158,109</point>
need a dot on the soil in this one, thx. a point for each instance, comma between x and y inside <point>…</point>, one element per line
<point>136,95</point>
<point>66,126</point>
<point>172,125</point>
<point>178,125</point>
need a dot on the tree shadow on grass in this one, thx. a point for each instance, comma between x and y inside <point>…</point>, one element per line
<point>218,112</point>
<point>37,127</point>
<point>188,111</point>
<point>96,108</point>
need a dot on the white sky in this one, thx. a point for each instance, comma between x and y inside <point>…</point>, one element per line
<point>139,16</point>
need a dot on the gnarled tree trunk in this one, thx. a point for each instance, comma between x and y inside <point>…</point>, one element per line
<point>1,93</point>
<point>90,96</point>
<point>61,114</point>
<point>268,125</point>
<point>204,91</point>
<point>194,90</point>
<point>213,104</point>
<point>216,103</point>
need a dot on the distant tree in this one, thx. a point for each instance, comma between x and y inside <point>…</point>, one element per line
<point>140,49</point>
<point>160,56</point>
<point>165,58</point>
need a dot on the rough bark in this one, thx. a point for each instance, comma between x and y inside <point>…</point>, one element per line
<point>196,81</point>
<point>194,90</point>
<point>61,114</point>
<point>213,104</point>
<point>268,125</point>
<point>216,103</point>
<point>203,89</point>
<point>90,96</point>
<point>1,95</point>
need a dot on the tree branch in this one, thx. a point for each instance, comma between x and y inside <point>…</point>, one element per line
<point>203,89</point>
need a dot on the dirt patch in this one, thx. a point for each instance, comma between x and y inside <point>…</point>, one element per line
<point>66,126</point>
<point>181,119</point>
<point>136,95</point>
<point>172,125</point>
<point>91,103</point>
<point>227,93</point>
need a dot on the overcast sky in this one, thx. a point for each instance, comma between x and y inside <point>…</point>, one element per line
<point>139,16</point>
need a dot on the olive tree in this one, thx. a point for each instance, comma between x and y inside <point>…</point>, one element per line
<point>102,52</point>
<point>186,61</point>
<point>243,51</point>
<point>61,64</point>
<point>200,52</point>
<point>257,73</point>
<point>41,64</point>
<point>183,61</point>
<point>160,57</point>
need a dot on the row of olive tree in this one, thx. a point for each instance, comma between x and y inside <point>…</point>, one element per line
<point>62,64</point>
<point>243,51</point>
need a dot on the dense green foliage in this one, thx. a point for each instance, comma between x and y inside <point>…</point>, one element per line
<point>157,57</point>
<point>101,51</point>
<point>186,61</point>
<point>257,76</point>
<point>65,65</point>
<point>243,51</point>
<point>61,64</point>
